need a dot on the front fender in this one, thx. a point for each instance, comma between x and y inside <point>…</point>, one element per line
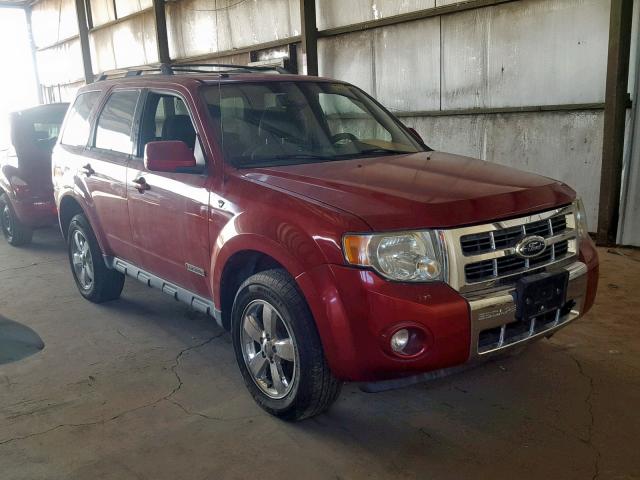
<point>225,249</point>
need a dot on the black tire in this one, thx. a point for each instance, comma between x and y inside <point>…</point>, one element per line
<point>313,388</point>
<point>106,284</point>
<point>16,233</point>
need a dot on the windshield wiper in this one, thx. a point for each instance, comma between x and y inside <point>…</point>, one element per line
<point>283,160</point>
<point>371,151</point>
<point>383,150</point>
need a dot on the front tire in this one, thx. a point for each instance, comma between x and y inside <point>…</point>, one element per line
<point>278,348</point>
<point>94,280</point>
<point>16,233</point>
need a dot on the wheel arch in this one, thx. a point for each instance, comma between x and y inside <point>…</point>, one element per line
<point>69,208</point>
<point>239,267</point>
<point>71,205</point>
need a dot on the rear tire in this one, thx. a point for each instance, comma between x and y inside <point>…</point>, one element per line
<point>16,233</point>
<point>94,280</point>
<point>275,336</point>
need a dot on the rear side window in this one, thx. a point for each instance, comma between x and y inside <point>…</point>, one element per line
<point>114,130</point>
<point>77,128</point>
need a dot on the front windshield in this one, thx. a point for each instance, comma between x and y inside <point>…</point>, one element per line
<point>283,123</point>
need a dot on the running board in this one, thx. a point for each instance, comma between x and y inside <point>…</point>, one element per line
<point>180,294</point>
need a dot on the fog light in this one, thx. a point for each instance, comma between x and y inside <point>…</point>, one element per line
<point>400,340</point>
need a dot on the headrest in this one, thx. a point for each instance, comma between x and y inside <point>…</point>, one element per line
<point>179,127</point>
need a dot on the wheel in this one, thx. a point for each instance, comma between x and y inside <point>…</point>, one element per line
<point>13,229</point>
<point>278,348</point>
<point>96,282</point>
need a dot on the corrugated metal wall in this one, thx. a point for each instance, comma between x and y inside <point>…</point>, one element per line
<point>526,53</point>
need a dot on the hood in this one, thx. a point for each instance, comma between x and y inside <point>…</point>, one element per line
<point>420,190</point>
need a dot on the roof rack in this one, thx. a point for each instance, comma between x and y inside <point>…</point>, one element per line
<point>177,68</point>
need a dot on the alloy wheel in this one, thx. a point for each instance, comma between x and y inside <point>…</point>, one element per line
<point>268,349</point>
<point>82,260</point>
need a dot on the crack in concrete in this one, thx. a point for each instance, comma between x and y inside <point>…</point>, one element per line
<point>176,364</point>
<point>23,267</point>
<point>589,403</point>
<point>167,397</point>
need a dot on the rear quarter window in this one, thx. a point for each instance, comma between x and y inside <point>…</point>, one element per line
<point>77,128</point>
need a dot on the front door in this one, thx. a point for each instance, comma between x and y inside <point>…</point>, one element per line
<point>169,215</point>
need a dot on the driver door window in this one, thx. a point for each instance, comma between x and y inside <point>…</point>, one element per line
<point>166,117</point>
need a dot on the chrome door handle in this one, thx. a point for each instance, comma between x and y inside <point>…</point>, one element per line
<point>87,170</point>
<point>141,184</point>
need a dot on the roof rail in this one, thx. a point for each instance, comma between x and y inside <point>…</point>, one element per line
<point>172,69</point>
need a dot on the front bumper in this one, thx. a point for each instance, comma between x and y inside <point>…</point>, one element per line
<point>356,312</point>
<point>494,327</point>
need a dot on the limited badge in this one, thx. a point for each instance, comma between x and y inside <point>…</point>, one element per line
<point>196,270</point>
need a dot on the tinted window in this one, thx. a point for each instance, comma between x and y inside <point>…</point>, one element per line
<point>166,117</point>
<point>116,121</point>
<point>77,128</point>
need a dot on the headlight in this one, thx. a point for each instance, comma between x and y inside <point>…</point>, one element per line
<point>581,219</point>
<point>404,257</point>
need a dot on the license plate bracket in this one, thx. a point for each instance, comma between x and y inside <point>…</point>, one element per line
<point>540,293</point>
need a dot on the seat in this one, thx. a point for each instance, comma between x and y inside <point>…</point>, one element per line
<point>179,127</point>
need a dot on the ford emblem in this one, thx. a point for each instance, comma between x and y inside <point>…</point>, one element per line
<point>530,247</point>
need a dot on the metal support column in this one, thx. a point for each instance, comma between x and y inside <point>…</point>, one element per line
<point>161,31</point>
<point>83,33</point>
<point>34,60</point>
<point>616,100</point>
<point>309,35</point>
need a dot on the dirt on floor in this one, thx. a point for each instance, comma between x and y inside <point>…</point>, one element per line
<point>142,388</point>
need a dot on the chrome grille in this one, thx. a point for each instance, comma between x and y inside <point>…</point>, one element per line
<point>484,256</point>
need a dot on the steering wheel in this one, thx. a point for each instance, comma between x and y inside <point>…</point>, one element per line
<point>342,137</point>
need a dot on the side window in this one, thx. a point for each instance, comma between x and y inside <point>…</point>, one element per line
<point>114,130</point>
<point>77,128</point>
<point>166,117</point>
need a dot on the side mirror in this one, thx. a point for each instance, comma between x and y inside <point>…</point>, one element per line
<point>415,134</point>
<point>172,156</point>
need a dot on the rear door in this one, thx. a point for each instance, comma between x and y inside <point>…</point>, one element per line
<point>104,169</point>
<point>169,218</point>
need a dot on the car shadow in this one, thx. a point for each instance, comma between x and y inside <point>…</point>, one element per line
<point>17,341</point>
<point>46,241</point>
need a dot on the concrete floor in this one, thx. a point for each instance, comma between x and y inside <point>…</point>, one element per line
<point>142,388</point>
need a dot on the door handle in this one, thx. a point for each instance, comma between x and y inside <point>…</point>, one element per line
<point>87,170</point>
<point>141,184</point>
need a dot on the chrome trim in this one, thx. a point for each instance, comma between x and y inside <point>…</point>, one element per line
<point>497,309</point>
<point>457,260</point>
<point>180,294</point>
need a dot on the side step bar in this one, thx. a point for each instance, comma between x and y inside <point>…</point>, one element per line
<point>152,281</point>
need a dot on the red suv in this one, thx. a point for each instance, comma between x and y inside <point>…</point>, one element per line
<point>317,228</point>
<point>26,192</point>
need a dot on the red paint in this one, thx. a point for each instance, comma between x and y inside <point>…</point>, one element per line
<point>168,156</point>
<point>25,169</point>
<point>421,190</point>
<point>297,215</point>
